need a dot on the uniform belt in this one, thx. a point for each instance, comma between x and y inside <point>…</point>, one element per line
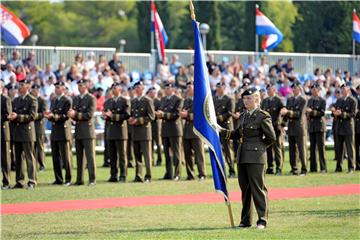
<point>252,139</point>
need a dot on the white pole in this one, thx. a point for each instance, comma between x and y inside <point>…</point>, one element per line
<point>353,55</point>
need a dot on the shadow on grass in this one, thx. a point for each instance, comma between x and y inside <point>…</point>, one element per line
<point>322,213</point>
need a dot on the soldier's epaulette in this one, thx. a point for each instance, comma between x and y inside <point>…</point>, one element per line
<point>265,113</point>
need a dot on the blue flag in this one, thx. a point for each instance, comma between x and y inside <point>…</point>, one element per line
<point>205,125</point>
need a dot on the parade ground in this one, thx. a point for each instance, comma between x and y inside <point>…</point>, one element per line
<point>318,205</point>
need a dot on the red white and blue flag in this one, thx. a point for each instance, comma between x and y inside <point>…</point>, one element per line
<point>160,34</point>
<point>356,27</point>
<point>13,30</point>
<point>271,34</point>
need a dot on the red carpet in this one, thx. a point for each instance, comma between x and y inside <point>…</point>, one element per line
<point>68,205</point>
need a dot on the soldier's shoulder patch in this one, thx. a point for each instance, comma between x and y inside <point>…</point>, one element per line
<point>265,113</point>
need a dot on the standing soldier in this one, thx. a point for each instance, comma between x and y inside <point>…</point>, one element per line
<point>23,115</point>
<point>109,96</point>
<point>5,138</point>
<point>155,126</point>
<point>12,93</point>
<point>239,109</point>
<point>315,114</point>
<point>82,113</point>
<point>191,142</point>
<point>116,113</point>
<point>39,126</point>
<point>294,112</point>
<point>130,142</point>
<point>171,130</point>
<point>60,134</point>
<point>273,106</point>
<point>357,131</point>
<point>345,111</point>
<point>224,108</point>
<point>142,113</point>
<point>335,121</point>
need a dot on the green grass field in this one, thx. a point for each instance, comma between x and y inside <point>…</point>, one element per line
<point>336,217</point>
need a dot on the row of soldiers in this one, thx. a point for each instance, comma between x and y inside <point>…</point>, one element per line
<point>137,123</point>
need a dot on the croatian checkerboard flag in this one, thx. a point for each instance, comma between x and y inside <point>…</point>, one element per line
<point>13,30</point>
<point>160,34</point>
<point>272,35</point>
<point>356,27</point>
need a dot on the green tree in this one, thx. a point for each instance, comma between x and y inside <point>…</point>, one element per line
<point>323,27</point>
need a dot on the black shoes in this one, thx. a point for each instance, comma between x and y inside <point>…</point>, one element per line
<point>18,186</point>
<point>242,225</point>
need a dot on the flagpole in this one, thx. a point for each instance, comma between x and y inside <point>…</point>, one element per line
<point>256,38</point>
<point>152,36</point>
<point>227,201</point>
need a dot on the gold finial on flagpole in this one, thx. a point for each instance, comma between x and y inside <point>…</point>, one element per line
<point>192,10</point>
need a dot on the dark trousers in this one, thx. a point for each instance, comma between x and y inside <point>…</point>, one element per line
<point>228,154</point>
<point>5,162</point>
<point>39,150</point>
<point>194,147</point>
<point>86,146</point>
<point>25,149</point>
<point>317,141</point>
<point>336,140</point>
<point>172,143</point>
<point>274,153</point>
<point>106,153</point>
<point>142,148</point>
<point>117,150</point>
<point>130,150</point>
<point>357,150</point>
<point>297,144</point>
<point>348,140</point>
<point>61,158</point>
<point>251,180</point>
<point>156,141</point>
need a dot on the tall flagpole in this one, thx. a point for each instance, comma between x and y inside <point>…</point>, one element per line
<point>353,50</point>
<point>192,11</point>
<point>256,38</point>
<point>152,36</point>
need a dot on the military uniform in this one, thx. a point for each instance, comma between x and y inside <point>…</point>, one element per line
<point>296,132</point>
<point>357,134</point>
<point>40,132</point>
<point>317,130</point>
<point>5,140</point>
<point>155,132</point>
<point>240,108</point>
<point>85,136</point>
<point>256,134</point>
<point>192,144</point>
<point>117,136</point>
<point>224,107</point>
<point>24,137</point>
<point>60,138</point>
<point>171,132</point>
<point>106,142</point>
<point>273,105</point>
<point>142,109</point>
<point>345,131</point>
<point>130,144</point>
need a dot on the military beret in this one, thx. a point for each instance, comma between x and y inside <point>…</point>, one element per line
<point>249,91</point>
<point>238,90</point>
<point>59,84</point>
<point>346,84</point>
<point>115,84</point>
<point>150,89</point>
<point>315,85</point>
<point>138,84</point>
<point>295,84</point>
<point>11,86</point>
<point>269,85</point>
<point>130,88</point>
<point>169,85</point>
<point>99,89</point>
<point>82,81</point>
<point>220,84</point>
<point>27,81</point>
<point>35,86</point>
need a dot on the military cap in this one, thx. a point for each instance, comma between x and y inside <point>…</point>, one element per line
<point>249,91</point>
<point>269,85</point>
<point>245,84</point>
<point>59,84</point>
<point>150,89</point>
<point>238,90</point>
<point>11,86</point>
<point>138,84</point>
<point>220,84</point>
<point>99,89</point>
<point>27,81</point>
<point>295,84</point>
<point>35,86</point>
<point>170,85</point>
<point>115,84</point>
<point>346,84</point>
<point>82,81</point>
<point>315,85</point>
<point>130,88</point>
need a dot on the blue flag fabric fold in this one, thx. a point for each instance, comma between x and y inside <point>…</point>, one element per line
<point>205,125</point>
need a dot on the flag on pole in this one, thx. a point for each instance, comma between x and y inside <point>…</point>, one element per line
<point>13,30</point>
<point>272,35</point>
<point>160,33</point>
<point>356,27</point>
<point>205,125</point>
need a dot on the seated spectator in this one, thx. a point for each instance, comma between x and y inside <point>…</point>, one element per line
<point>34,73</point>
<point>10,71</point>
<point>2,61</point>
<point>100,99</point>
<point>277,66</point>
<point>211,64</point>
<point>103,64</point>
<point>15,60</point>
<point>223,65</point>
<point>249,74</point>
<point>60,71</point>
<point>288,66</point>
<point>306,87</point>
<point>48,73</point>
<point>215,78</point>
<point>49,87</point>
<point>175,65</point>
<point>251,67</point>
<point>20,73</point>
<point>164,70</point>
<point>285,89</point>
<point>79,62</point>
<point>181,78</point>
<point>237,68</point>
<point>115,62</point>
<point>108,79</point>
<point>264,67</point>
<point>73,72</point>
<point>30,61</point>
<point>90,62</point>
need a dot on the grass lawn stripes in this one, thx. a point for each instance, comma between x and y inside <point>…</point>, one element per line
<point>69,205</point>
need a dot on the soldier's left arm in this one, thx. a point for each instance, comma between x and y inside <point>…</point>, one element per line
<point>351,112</point>
<point>118,117</point>
<point>25,118</point>
<point>41,109</point>
<point>298,112</point>
<point>173,115</point>
<point>230,107</point>
<point>88,113</point>
<point>150,109</point>
<point>7,111</point>
<point>268,130</point>
<point>321,111</point>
